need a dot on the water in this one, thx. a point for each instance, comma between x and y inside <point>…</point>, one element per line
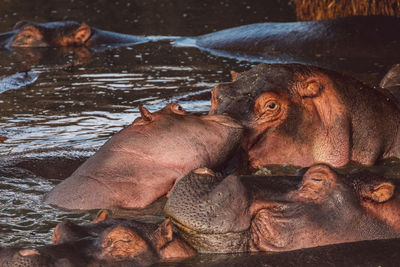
<point>81,97</point>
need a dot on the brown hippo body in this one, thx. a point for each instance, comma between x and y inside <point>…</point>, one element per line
<point>141,163</point>
<point>300,115</point>
<point>112,242</point>
<point>256,213</point>
<point>64,33</point>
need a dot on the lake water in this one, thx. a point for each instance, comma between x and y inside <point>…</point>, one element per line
<point>82,97</point>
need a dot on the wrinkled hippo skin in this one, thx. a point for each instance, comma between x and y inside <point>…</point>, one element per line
<point>108,242</point>
<point>141,163</point>
<point>369,36</point>
<point>63,33</point>
<point>215,214</point>
<point>300,115</point>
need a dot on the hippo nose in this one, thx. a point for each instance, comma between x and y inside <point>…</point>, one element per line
<point>209,203</point>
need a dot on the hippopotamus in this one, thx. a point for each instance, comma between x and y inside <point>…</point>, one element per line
<point>119,242</point>
<point>301,115</point>
<point>140,164</point>
<point>116,242</point>
<point>63,33</point>
<point>227,214</point>
<point>308,41</point>
<point>324,42</point>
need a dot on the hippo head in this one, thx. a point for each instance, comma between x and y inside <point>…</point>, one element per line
<point>141,163</point>
<point>301,115</point>
<point>255,213</point>
<point>52,34</point>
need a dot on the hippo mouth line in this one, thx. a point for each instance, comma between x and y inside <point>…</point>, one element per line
<point>224,120</point>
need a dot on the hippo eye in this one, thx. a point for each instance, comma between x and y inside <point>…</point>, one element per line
<point>271,105</point>
<point>178,109</point>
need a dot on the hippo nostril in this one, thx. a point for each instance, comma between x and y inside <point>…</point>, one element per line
<point>28,252</point>
<point>204,171</point>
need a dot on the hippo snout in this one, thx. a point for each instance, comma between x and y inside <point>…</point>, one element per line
<point>207,203</point>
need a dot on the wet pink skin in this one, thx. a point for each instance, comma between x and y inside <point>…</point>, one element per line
<point>141,163</point>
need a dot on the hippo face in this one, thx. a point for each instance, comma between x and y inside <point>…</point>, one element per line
<point>254,213</point>
<point>301,115</point>
<point>142,162</point>
<point>105,242</point>
<point>53,34</point>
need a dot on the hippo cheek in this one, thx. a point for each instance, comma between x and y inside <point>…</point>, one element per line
<point>272,230</point>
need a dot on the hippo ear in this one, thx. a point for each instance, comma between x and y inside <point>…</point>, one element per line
<point>102,215</point>
<point>82,34</point>
<point>392,77</point>
<point>235,75</point>
<point>378,192</point>
<point>146,115</point>
<point>318,182</point>
<point>20,24</point>
<point>310,88</point>
<point>163,235</point>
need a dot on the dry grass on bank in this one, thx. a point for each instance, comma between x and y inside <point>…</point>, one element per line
<point>327,9</point>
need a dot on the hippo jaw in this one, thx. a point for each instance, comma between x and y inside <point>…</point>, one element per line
<point>267,231</point>
<point>230,242</point>
<point>214,215</point>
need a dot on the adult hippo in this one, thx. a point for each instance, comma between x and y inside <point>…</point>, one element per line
<point>217,214</point>
<point>114,242</point>
<point>296,41</point>
<point>63,33</point>
<point>335,43</point>
<point>141,163</point>
<point>301,115</point>
<point>123,242</point>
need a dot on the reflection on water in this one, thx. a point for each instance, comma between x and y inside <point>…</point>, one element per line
<point>84,105</point>
<point>25,220</point>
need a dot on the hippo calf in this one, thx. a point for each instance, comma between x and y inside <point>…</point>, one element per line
<point>141,163</point>
<point>300,115</point>
<point>217,214</point>
<point>63,33</point>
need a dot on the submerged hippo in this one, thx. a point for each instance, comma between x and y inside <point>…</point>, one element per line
<point>63,33</point>
<point>369,36</point>
<point>215,214</point>
<point>301,115</point>
<point>141,163</point>
<point>299,41</point>
<point>113,242</point>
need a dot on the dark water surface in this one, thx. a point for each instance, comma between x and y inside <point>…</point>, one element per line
<point>82,97</point>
